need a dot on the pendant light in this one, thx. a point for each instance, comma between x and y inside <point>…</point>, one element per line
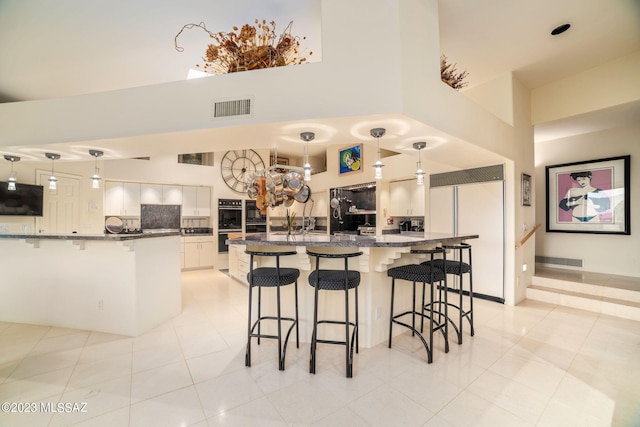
<point>95,178</point>
<point>306,137</point>
<point>52,179</point>
<point>419,172</point>
<point>377,133</point>
<point>11,185</point>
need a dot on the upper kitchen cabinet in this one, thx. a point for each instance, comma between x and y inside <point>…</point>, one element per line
<point>156,194</point>
<point>406,198</point>
<point>196,201</point>
<point>121,199</point>
<point>320,204</point>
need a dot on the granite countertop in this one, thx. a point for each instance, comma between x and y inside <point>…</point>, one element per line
<point>103,237</point>
<point>387,240</point>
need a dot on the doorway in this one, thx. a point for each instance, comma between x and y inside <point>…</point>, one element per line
<point>61,207</point>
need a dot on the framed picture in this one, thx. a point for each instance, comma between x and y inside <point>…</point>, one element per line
<point>526,190</point>
<point>589,197</point>
<point>351,159</point>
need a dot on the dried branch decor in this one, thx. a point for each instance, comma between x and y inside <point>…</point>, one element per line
<point>253,47</point>
<point>450,75</point>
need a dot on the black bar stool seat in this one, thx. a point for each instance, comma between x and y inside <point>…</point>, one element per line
<point>268,277</point>
<point>335,280</point>
<point>271,277</point>
<point>420,273</point>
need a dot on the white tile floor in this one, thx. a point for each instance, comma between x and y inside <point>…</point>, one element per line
<point>534,364</point>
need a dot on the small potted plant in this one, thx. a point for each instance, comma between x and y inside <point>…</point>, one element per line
<point>291,219</point>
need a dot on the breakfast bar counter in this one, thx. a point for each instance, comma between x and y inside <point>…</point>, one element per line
<point>383,241</point>
<point>379,253</point>
<point>116,283</point>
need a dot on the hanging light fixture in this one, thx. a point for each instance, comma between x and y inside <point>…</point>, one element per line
<point>419,172</point>
<point>377,133</point>
<point>11,185</point>
<point>95,178</point>
<point>306,137</point>
<point>52,179</point>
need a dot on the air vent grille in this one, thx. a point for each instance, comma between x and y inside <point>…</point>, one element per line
<point>559,261</point>
<point>467,176</point>
<point>235,107</point>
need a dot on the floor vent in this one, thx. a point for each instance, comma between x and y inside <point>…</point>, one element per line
<point>231,108</point>
<point>558,261</point>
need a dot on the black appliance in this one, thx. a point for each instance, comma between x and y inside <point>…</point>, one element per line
<point>25,200</point>
<point>352,207</point>
<point>405,225</point>
<point>229,221</point>
<point>255,222</point>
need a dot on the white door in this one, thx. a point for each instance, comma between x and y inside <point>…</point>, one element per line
<point>61,211</point>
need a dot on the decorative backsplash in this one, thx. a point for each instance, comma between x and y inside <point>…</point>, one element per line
<point>154,217</point>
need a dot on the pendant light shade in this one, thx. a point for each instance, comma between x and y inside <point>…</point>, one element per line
<point>95,178</point>
<point>377,133</point>
<point>306,137</point>
<point>53,181</point>
<point>419,172</point>
<point>11,182</point>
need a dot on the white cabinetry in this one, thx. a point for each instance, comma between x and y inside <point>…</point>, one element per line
<point>320,204</point>
<point>156,194</point>
<point>198,252</point>
<point>238,263</point>
<point>406,198</point>
<point>196,201</point>
<point>122,199</point>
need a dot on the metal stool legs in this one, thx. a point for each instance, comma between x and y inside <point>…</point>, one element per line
<point>459,268</point>
<point>336,280</point>
<point>271,277</point>
<point>425,274</point>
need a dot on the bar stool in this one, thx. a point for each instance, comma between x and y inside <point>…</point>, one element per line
<point>270,277</point>
<point>335,280</point>
<point>458,268</point>
<point>423,273</point>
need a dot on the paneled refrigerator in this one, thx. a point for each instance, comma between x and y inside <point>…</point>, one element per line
<point>472,201</point>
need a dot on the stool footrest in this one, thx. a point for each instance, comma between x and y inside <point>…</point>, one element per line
<point>437,325</point>
<point>252,334</point>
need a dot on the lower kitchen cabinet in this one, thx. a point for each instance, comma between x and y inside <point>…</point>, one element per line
<point>238,263</point>
<point>198,252</point>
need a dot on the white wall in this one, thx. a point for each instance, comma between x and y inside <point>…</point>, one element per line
<point>613,83</point>
<point>614,254</point>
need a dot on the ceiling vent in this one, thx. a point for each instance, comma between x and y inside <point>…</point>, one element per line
<point>231,108</point>
<point>467,176</point>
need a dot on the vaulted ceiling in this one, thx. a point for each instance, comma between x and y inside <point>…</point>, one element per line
<point>51,49</point>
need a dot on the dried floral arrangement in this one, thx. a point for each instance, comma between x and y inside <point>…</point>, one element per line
<point>450,75</point>
<point>248,48</point>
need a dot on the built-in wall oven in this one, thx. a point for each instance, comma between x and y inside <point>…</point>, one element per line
<point>229,221</point>
<point>255,222</point>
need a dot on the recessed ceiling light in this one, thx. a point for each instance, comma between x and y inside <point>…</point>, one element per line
<point>560,29</point>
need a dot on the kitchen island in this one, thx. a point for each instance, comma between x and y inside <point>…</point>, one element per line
<point>379,253</point>
<point>116,283</point>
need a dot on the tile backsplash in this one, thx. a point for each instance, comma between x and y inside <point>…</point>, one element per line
<point>160,216</point>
